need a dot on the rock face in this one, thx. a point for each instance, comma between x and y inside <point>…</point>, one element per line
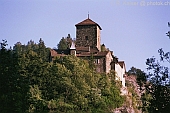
<point>132,94</point>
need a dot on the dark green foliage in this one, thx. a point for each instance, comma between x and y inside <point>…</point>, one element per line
<point>62,44</point>
<point>13,86</point>
<point>65,43</point>
<point>158,73</point>
<point>103,47</point>
<point>168,33</point>
<point>157,96</point>
<point>30,83</point>
<point>156,99</point>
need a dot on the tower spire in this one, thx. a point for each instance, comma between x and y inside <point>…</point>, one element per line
<point>88,14</point>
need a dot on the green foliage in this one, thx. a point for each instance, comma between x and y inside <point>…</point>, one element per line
<point>133,98</point>
<point>157,96</point>
<point>62,44</point>
<point>65,43</point>
<point>30,83</point>
<point>13,86</point>
<point>158,87</point>
<point>103,48</point>
<point>156,99</point>
<point>141,76</point>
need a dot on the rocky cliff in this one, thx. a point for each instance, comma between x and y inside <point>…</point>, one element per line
<point>132,94</point>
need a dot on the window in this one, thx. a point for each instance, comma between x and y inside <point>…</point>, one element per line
<point>86,37</point>
<point>97,61</point>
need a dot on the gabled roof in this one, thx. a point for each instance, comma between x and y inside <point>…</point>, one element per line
<point>122,63</point>
<point>88,22</point>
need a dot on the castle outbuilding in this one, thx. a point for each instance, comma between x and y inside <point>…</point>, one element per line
<point>87,45</point>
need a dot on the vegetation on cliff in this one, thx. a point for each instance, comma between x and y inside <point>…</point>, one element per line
<point>30,83</point>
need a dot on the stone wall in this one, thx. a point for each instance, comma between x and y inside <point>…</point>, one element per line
<point>98,39</point>
<point>86,36</point>
<point>120,72</point>
<point>100,64</point>
<point>109,59</point>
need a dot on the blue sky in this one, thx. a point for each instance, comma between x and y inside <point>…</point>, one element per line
<point>133,29</point>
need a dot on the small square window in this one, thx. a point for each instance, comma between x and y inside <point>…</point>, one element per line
<point>86,37</point>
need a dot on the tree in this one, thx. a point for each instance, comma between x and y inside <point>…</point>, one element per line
<point>156,99</point>
<point>141,76</point>
<point>103,48</point>
<point>158,87</point>
<point>65,43</point>
<point>13,85</point>
<point>168,34</point>
<point>62,44</point>
<point>42,51</point>
<point>3,44</point>
<point>159,72</point>
<point>29,83</point>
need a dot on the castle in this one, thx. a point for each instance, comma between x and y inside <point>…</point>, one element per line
<point>88,45</point>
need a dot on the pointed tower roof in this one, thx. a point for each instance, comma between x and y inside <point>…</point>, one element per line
<point>72,46</point>
<point>88,22</point>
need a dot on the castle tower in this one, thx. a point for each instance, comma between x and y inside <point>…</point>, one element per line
<point>88,34</point>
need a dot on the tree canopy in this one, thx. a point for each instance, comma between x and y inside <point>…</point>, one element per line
<point>157,96</point>
<point>140,75</point>
<point>30,83</point>
<point>65,43</point>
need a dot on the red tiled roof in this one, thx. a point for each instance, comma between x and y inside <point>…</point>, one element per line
<point>99,54</point>
<point>53,52</point>
<point>86,49</point>
<point>82,53</point>
<point>88,22</point>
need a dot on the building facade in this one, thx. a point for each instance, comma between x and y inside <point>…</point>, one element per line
<point>120,72</point>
